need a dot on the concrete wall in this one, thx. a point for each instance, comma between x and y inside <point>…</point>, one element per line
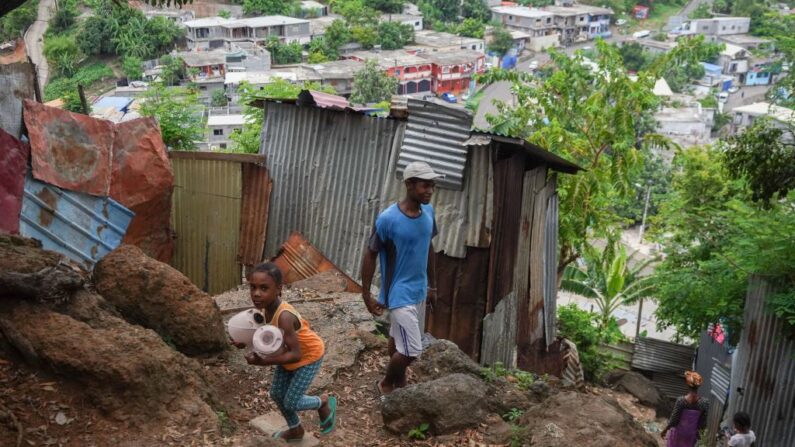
<point>543,42</point>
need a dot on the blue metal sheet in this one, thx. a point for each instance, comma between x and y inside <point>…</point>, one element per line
<point>83,227</point>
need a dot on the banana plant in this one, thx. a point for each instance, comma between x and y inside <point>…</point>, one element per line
<point>610,277</point>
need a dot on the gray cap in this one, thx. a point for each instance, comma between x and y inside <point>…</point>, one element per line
<point>420,170</point>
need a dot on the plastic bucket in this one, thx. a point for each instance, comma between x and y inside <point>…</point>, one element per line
<point>241,326</point>
<point>268,339</point>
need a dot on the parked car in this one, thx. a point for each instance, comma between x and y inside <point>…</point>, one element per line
<point>533,65</point>
<point>723,97</point>
<point>489,66</point>
<point>449,97</point>
<point>734,89</point>
<point>641,34</point>
<point>621,22</point>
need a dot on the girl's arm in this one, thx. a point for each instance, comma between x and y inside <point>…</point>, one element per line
<point>291,348</point>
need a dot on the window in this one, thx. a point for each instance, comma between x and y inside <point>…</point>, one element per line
<point>223,145</point>
<point>510,17</point>
<point>397,72</point>
<point>724,28</point>
<point>549,20</point>
<point>474,47</point>
<point>202,87</point>
<point>416,23</point>
<point>218,132</point>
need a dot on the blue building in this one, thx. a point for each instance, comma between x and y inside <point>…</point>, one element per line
<point>759,75</point>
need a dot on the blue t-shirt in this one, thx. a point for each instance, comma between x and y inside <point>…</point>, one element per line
<point>402,243</point>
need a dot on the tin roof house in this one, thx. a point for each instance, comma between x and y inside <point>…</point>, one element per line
<point>334,168</point>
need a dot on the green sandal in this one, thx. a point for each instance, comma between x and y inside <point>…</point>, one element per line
<point>331,420</point>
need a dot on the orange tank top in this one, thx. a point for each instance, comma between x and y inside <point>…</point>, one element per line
<point>312,346</point>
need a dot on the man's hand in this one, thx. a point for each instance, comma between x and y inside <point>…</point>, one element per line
<point>431,298</point>
<point>372,305</point>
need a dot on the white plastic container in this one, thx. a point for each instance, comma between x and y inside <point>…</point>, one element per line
<point>268,340</point>
<point>242,326</point>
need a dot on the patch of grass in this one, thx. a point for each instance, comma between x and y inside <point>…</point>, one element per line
<point>518,435</point>
<point>419,432</point>
<point>223,421</point>
<point>86,76</point>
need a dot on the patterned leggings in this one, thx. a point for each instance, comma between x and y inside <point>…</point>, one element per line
<point>288,389</point>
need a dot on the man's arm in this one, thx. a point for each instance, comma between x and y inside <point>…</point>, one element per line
<point>368,270</point>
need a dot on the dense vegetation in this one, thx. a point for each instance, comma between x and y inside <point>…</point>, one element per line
<point>583,328</point>
<point>14,24</point>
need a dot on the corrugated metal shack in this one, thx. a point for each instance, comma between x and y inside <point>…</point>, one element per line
<point>220,209</point>
<point>334,169</point>
<point>762,374</point>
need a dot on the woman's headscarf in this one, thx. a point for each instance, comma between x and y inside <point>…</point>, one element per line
<point>693,379</point>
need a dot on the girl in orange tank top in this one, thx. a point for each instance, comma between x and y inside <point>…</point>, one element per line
<point>297,362</point>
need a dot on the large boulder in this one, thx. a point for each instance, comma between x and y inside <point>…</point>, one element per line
<point>571,418</point>
<point>447,404</point>
<point>443,358</point>
<point>639,386</point>
<point>157,296</point>
<point>642,389</point>
<point>125,370</point>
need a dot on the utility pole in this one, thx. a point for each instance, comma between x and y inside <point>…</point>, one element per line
<point>645,213</point>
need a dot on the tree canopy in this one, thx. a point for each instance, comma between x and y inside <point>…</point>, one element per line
<point>178,113</point>
<point>371,84</point>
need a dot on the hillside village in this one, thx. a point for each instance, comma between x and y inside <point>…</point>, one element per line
<point>615,209</point>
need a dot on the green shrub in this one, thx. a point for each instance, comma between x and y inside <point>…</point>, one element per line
<point>581,327</point>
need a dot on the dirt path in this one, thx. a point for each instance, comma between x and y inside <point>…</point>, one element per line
<point>34,41</point>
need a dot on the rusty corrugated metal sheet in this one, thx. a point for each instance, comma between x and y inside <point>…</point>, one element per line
<point>532,186</point>
<point>508,175</point>
<point>435,134</point>
<point>17,83</point>
<point>460,300</point>
<point>662,356</point>
<point>13,168</point>
<point>763,373</point>
<point>257,186</point>
<point>323,100</point>
<point>328,170</point>
<point>206,218</point>
<point>464,217</point>
<point>142,180</point>
<point>70,150</point>
<point>499,334</point>
<point>551,265</point>
<point>85,228</point>
<point>298,259</point>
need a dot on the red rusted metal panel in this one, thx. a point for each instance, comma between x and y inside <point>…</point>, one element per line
<point>298,259</point>
<point>13,166</point>
<point>508,176</point>
<point>142,180</point>
<point>257,186</point>
<point>461,299</point>
<point>141,168</point>
<point>69,150</point>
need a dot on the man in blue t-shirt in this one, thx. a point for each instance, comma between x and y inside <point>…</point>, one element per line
<point>401,240</point>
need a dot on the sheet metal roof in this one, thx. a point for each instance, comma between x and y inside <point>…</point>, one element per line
<point>555,162</point>
<point>435,135</point>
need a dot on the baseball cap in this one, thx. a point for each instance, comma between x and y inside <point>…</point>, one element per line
<point>420,170</point>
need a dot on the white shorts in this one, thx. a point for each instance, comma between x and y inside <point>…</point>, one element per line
<point>404,327</point>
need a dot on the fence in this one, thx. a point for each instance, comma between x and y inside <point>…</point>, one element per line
<point>622,352</point>
<point>219,215</point>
